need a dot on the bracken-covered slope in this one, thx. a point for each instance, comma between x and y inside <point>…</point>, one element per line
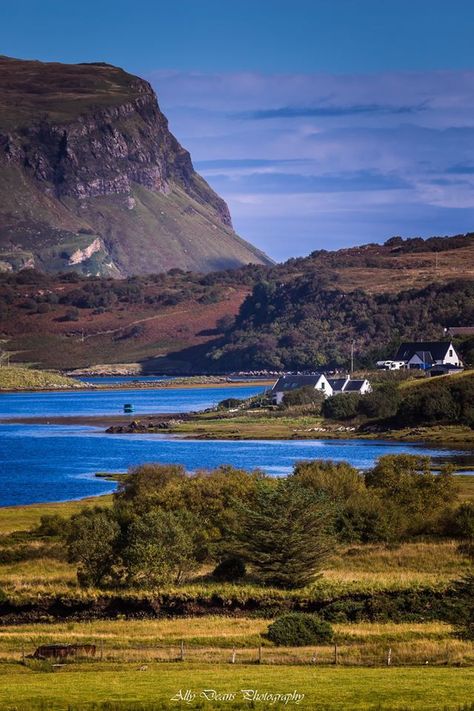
<point>302,314</point>
<point>91,178</point>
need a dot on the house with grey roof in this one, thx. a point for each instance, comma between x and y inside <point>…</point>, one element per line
<point>327,386</point>
<point>424,355</point>
<point>289,383</point>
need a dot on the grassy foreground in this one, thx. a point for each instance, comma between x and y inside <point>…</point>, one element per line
<point>325,688</point>
<point>138,666</point>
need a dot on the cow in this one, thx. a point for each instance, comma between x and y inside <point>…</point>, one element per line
<point>63,651</point>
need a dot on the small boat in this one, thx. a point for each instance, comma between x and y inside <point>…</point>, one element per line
<point>128,407</point>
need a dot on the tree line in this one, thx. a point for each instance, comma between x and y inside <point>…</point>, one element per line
<point>164,524</point>
<point>306,323</point>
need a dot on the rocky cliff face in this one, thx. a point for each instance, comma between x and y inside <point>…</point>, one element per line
<point>89,167</point>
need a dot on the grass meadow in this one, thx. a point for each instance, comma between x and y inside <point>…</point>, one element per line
<point>332,689</point>
<point>142,664</point>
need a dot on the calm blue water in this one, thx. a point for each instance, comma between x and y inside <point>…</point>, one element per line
<point>58,462</point>
<point>111,402</point>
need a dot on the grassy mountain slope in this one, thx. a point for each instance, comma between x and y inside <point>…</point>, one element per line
<point>91,178</point>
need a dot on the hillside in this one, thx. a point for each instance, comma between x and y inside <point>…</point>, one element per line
<point>92,180</point>
<point>302,313</point>
<point>303,325</point>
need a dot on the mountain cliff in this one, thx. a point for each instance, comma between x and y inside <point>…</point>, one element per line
<point>91,178</point>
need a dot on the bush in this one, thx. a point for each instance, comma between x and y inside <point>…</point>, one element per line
<point>52,525</point>
<point>461,608</point>
<point>383,402</point>
<point>462,524</point>
<point>342,407</point>
<point>229,403</point>
<point>71,315</point>
<point>229,569</point>
<point>306,395</point>
<point>299,629</point>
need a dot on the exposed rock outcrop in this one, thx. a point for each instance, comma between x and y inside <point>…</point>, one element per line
<point>88,166</point>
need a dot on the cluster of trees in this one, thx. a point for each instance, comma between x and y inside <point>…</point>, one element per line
<point>164,525</point>
<point>432,244</point>
<point>101,293</point>
<point>440,400</point>
<point>303,324</point>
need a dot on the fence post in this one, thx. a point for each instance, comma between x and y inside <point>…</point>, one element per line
<point>336,659</point>
<point>232,659</point>
<point>389,657</point>
<point>182,650</point>
<point>314,658</point>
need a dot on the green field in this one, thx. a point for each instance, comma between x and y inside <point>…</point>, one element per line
<point>327,688</point>
<point>138,663</point>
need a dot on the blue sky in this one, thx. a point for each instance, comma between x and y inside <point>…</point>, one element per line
<point>324,123</point>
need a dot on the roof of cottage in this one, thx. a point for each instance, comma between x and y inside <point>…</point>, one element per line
<point>293,382</point>
<point>436,349</point>
<point>354,386</point>
<point>337,384</point>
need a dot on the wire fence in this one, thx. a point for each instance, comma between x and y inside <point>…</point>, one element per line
<point>446,653</point>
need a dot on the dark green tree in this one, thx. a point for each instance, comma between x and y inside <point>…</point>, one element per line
<point>342,407</point>
<point>160,547</point>
<point>286,534</point>
<point>92,543</point>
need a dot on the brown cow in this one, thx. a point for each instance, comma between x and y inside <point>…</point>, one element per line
<point>62,651</point>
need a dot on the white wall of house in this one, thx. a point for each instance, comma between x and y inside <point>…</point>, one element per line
<point>451,357</point>
<point>324,386</point>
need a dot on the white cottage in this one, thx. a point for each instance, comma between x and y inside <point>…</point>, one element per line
<point>327,386</point>
<point>424,355</point>
<point>289,383</point>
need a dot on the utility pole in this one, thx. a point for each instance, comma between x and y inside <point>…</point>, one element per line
<point>352,356</point>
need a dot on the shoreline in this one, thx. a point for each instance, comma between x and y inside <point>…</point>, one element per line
<point>150,425</point>
<point>93,420</point>
<point>141,385</point>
